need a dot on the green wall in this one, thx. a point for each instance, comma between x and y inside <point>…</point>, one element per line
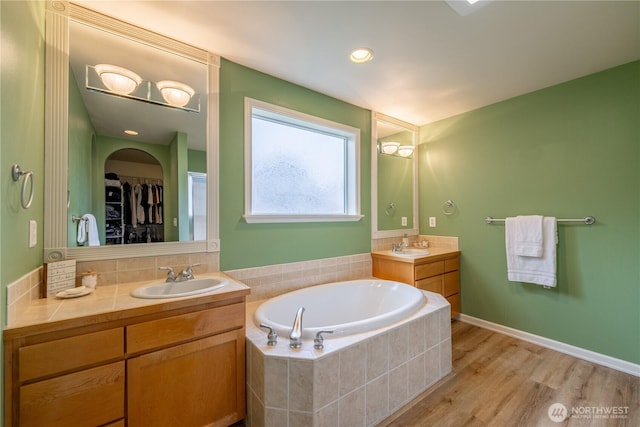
<point>568,151</point>
<point>197,161</point>
<point>22,135</point>
<point>21,140</point>
<point>249,245</point>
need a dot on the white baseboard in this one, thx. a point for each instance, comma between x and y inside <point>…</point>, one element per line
<point>580,353</point>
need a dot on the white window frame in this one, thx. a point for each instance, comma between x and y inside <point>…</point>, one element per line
<point>296,118</point>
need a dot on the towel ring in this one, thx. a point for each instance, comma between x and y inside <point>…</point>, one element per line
<point>16,173</point>
<point>390,209</point>
<point>449,208</point>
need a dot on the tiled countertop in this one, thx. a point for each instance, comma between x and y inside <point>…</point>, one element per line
<point>435,253</point>
<point>108,303</point>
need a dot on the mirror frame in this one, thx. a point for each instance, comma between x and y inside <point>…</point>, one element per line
<point>58,14</point>
<point>413,230</point>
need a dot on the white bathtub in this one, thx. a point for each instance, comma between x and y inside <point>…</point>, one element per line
<point>343,307</point>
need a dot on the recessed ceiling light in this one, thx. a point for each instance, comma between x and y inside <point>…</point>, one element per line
<point>361,54</point>
<point>131,132</point>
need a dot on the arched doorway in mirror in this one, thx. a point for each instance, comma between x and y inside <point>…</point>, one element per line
<point>134,198</point>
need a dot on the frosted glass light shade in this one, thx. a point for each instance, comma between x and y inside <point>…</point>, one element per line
<point>175,93</point>
<point>118,79</point>
<point>389,147</point>
<point>405,150</point>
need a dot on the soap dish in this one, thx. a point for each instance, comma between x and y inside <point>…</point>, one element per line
<point>74,292</point>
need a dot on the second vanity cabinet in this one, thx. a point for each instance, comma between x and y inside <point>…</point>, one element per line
<point>439,273</point>
<point>179,365</point>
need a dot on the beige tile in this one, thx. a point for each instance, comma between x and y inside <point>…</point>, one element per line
<point>106,279</point>
<point>139,263</point>
<point>129,276</point>
<point>432,365</point>
<point>432,333</point>
<point>416,375</point>
<point>276,382</point>
<point>445,357</point>
<point>177,262</point>
<point>352,408</point>
<point>300,385</point>
<point>398,392</point>
<point>399,345</point>
<point>275,417</point>
<point>377,399</point>
<point>97,266</point>
<point>300,419</point>
<point>445,323</point>
<point>257,373</point>
<point>352,370</point>
<point>326,373</point>
<point>257,412</point>
<point>329,416</point>
<point>377,355</point>
<point>416,337</point>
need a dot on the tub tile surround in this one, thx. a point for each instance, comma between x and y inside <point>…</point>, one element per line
<point>357,380</point>
<point>273,280</point>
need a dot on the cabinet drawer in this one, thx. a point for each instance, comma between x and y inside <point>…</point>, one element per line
<point>432,284</point>
<point>452,264</point>
<point>66,354</point>
<point>427,270</point>
<point>184,327</point>
<point>87,398</point>
<point>451,283</point>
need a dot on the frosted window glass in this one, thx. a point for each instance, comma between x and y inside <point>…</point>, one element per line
<point>297,170</point>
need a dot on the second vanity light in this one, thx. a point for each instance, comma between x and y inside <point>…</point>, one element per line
<point>125,83</point>
<point>394,148</point>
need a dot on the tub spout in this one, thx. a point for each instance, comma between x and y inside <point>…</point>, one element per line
<point>295,338</point>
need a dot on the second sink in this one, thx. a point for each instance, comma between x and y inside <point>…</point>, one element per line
<point>179,289</point>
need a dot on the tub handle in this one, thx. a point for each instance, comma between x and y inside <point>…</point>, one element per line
<point>272,336</point>
<point>318,341</point>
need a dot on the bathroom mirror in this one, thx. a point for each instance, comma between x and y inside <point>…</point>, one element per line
<point>84,127</point>
<point>394,177</point>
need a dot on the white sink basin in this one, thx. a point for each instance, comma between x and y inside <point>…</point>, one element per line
<point>179,289</point>
<point>410,253</point>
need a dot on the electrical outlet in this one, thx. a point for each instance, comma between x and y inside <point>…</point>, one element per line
<point>33,233</point>
<point>432,221</point>
<point>404,221</point>
<point>175,222</point>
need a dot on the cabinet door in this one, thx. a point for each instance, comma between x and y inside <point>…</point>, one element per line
<point>87,398</point>
<point>194,384</point>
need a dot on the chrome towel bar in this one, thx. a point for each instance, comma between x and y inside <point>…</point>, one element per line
<point>587,220</point>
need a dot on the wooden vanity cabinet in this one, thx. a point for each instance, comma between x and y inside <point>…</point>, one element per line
<point>434,273</point>
<point>180,367</point>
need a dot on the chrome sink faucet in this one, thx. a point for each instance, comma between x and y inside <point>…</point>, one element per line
<point>171,276</point>
<point>295,337</point>
<point>187,273</point>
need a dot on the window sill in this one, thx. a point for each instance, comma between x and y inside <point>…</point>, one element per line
<point>265,219</point>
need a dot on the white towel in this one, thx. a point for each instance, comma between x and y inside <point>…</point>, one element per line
<point>538,270</point>
<point>528,236</point>
<point>89,221</point>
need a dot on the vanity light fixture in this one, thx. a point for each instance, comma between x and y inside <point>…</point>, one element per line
<point>389,147</point>
<point>361,54</point>
<point>118,79</point>
<point>405,150</point>
<point>175,93</point>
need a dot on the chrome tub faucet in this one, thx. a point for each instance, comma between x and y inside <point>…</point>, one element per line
<point>295,337</point>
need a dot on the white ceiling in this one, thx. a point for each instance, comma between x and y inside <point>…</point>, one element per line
<point>430,62</point>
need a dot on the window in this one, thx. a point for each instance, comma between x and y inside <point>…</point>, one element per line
<point>299,168</point>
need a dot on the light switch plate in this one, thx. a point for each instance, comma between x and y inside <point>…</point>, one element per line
<point>432,221</point>
<point>404,221</point>
<point>33,233</point>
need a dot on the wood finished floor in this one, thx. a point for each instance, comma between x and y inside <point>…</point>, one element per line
<point>501,381</point>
